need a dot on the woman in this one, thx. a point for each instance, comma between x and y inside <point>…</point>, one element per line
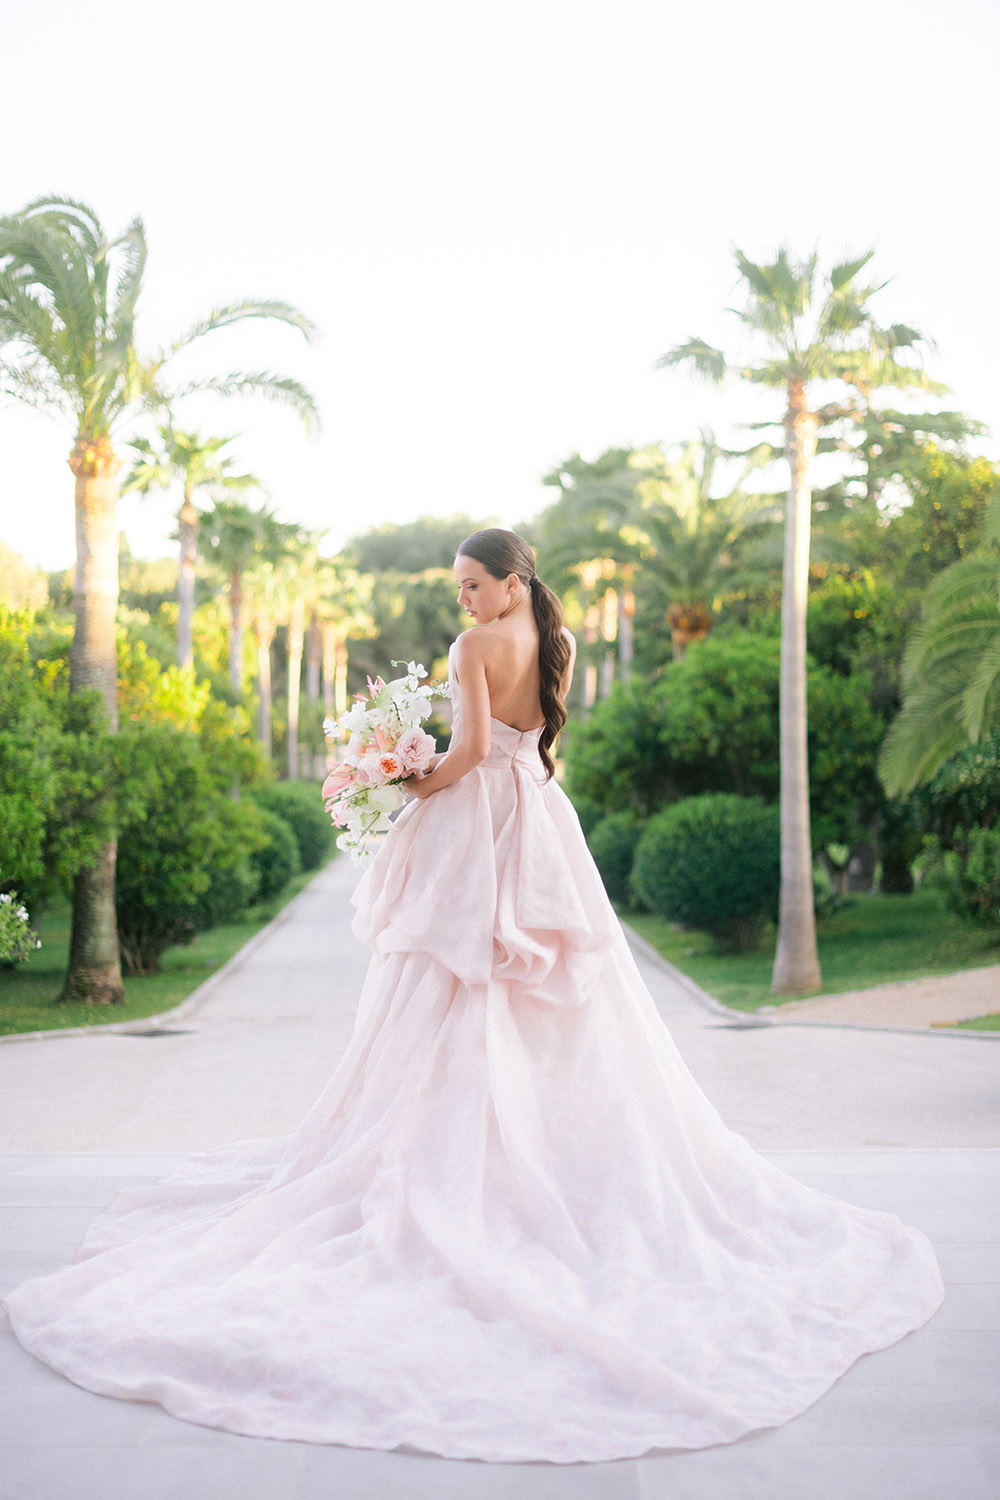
<point>513,1227</point>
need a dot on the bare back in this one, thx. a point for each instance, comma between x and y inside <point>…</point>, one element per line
<point>510,649</point>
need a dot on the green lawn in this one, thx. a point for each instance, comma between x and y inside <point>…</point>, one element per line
<point>871,940</point>
<point>28,993</point>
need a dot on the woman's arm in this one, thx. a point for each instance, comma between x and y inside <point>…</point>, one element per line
<point>472,746</point>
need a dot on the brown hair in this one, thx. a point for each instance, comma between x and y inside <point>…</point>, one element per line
<point>502,553</point>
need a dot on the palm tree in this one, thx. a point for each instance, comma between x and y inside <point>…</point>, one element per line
<point>265,585</point>
<point>638,519</point>
<point>196,463</point>
<point>697,544</point>
<point>298,586</point>
<point>951,669</point>
<point>813,332</point>
<point>231,536</point>
<point>342,613</point>
<point>68,297</point>
<point>583,550</point>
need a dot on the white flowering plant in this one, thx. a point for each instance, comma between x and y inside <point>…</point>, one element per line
<point>385,745</point>
<point>17,940</point>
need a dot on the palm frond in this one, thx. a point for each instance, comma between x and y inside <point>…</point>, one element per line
<point>982,695</point>
<point>122,317</point>
<point>707,362</point>
<point>843,274</point>
<point>40,254</point>
<point>928,731</point>
<point>263,383</point>
<point>991,519</point>
<point>239,312</point>
<point>970,578</point>
<point>24,319</point>
<point>68,215</point>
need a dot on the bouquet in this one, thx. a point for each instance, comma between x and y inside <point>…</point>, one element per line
<point>385,745</point>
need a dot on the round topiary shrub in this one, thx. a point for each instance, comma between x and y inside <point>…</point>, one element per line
<point>713,863</point>
<point>301,806</point>
<point>613,844</point>
<point>589,812</point>
<point>231,890</point>
<point>278,861</point>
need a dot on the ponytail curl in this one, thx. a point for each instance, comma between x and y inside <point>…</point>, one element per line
<point>553,659</point>
<point>502,553</point>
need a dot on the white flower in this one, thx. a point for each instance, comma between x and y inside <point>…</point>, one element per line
<point>386,798</point>
<point>356,718</point>
<point>5,898</point>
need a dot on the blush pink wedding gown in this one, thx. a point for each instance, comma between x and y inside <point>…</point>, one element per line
<point>512,1227</point>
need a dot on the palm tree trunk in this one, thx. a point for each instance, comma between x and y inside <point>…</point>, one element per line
<point>626,610</point>
<point>94,972</point>
<point>340,676</point>
<point>187,530</point>
<point>796,963</point>
<point>296,640</point>
<point>236,625</point>
<point>264,629</point>
<point>314,656</point>
<point>330,669</point>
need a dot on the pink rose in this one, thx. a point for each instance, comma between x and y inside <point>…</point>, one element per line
<point>390,765</point>
<point>378,767</point>
<point>415,748</point>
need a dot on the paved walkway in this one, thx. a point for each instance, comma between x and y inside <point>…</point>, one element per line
<point>939,1001</point>
<point>904,1120</point>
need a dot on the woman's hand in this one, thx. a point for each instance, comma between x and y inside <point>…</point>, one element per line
<point>414,785</point>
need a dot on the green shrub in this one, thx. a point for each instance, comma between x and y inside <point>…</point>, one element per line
<point>177,828</point>
<point>589,812</point>
<point>613,844</point>
<point>301,806</point>
<point>276,862</point>
<point>712,863</point>
<point>231,889</point>
<point>969,871</point>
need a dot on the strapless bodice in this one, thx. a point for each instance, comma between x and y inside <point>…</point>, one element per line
<point>511,747</point>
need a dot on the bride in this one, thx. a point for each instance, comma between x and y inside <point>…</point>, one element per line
<point>512,1227</point>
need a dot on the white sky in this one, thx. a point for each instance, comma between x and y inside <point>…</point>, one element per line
<point>499,217</point>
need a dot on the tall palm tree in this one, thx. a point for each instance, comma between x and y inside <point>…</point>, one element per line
<point>298,587</point>
<point>230,537</point>
<point>342,612</point>
<point>68,298</point>
<point>197,464</point>
<point>265,585</point>
<point>813,331</point>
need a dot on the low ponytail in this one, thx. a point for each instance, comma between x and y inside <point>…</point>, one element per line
<point>502,553</point>
<point>553,659</point>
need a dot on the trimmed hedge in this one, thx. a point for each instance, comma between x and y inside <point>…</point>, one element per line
<point>278,861</point>
<point>713,863</point>
<point>301,806</point>
<point>613,842</point>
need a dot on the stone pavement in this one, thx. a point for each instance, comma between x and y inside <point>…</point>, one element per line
<point>904,1121</point>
